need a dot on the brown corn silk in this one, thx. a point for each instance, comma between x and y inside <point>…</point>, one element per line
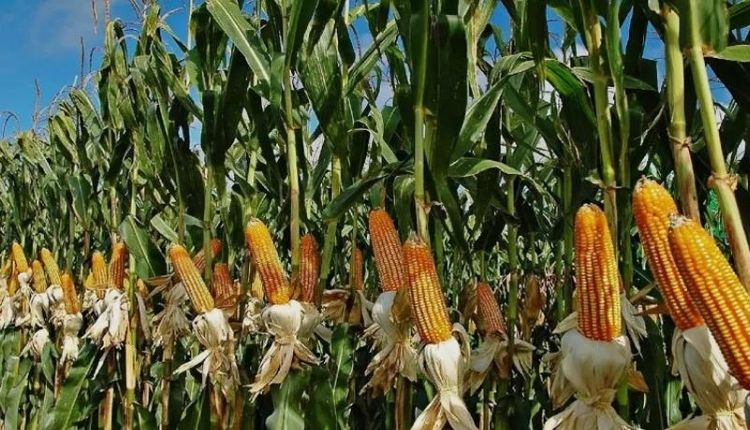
<point>191,279</point>
<point>652,207</point>
<point>309,268</point>
<point>267,263</point>
<point>425,293</point>
<point>716,291</point>
<point>387,250</point>
<point>51,267</point>
<point>597,279</point>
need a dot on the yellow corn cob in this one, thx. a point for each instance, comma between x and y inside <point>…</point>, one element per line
<point>191,279</point>
<point>50,265</point>
<point>7,268</point>
<point>652,207</point>
<point>19,258</point>
<point>386,247</point>
<point>716,291</point>
<point>489,315</point>
<point>40,281</point>
<point>88,283</point>
<point>200,258</point>
<point>99,269</point>
<point>309,268</point>
<point>358,271</point>
<point>222,281</point>
<point>117,265</point>
<point>267,263</point>
<point>70,296</point>
<point>425,293</point>
<point>141,288</point>
<point>597,279</point>
<point>13,283</point>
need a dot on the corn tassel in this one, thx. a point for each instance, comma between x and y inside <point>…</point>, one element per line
<point>191,279</point>
<point>386,246</point>
<point>40,281</point>
<point>117,265</point>
<point>70,296</point>
<point>51,267</point>
<point>267,263</point>
<point>597,279</point>
<point>716,291</point>
<point>309,268</point>
<point>426,294</point>
<point>652,207</point>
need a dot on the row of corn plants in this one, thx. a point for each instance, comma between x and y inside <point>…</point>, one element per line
<point>329,214</point>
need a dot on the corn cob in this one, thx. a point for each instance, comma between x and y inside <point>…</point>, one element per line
<point>223,287</point>
<point>40,281</point>
<point>716,291</point>
<point>597,279</point>
<point>13,283</point>
<point>99,269</point>
<point>200,258</point>
<point>88,283</point>
<point>117,265</point>
<point>19,258</point>
<point>51,267</point>
<point>7,268</point>
<point>386,247</point>
<point>70,296</point>
<point>267,263</point>
<point>358,271</point>
<point>426,294</point>
<point>489,315</point>
<point>652,207</point>
<point>191,278</point>
<point>309,268</point>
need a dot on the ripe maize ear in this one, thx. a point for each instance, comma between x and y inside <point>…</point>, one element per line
<point>425,293</point>
<point>309,268</point>
<point>386,247</point>
<point>200,258</point>
<point>716,291</point>
<point>19,258</point>
<point>267,263</point>
<point>13,283</point>
<point>191,279</point>
<point>597,279</point>
<point>225,293</point>
<point>99,269</point>
<point>51,267</point>
<point>358,269</point>
<point>117,265</point>
<point>70,296</point>
<point>489,316</point>
<point>40,281</point>
<point>652,207</point>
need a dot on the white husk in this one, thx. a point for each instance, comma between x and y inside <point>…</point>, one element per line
<point>111,326</point>
<point>706,375</point>
<point>56,304</point>
<point>252,320</point>
<point>21,299</point>
<point>219,364</point>
<point>71,324</point>
<point>494,350</point>
<point>396,356</point>
<point>171,322</point>
<point>283,322</point>
<point>590,369</point>
<point>311,319</point>
<point>7,308</point>
<point>444,364</point>
<point>36,343</point>
<point>39,307</point>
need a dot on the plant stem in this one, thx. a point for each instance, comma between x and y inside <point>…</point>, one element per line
<point>291,156</point>
<point>512,266</point>
<point>721,180</point>
<point>680,143</point>
<point>330,238</point>
<point>403,403</point>
<point>420,78</point>
<point>208,213</point>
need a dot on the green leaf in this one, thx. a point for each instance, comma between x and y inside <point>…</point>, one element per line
<point>197,414</point>
<point>329,408</point>
<point>67,405</point>
<point>164,228</point>
<point>369,58</point>
<point>80,188</point>
<point>352,193</point>
<point>740,53</point>
<point>149,261</point>
<point>299,19</point>
<point>477,117</point>
<point>287,402</point>
<point>13,416</point>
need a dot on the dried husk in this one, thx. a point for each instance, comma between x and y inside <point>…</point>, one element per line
<point>71,325</point>
<point>706,376</point>
<point>396,355</point>
<point>22,300</point>
<point>111,326</point>
<point>494,350</point>
<point>283,322</point>
<point>444,364</point>
<point>171,323</point>
<point>36,343</point>
<point>591,370</point>
<point>339,306</point>
<point>252,320</point>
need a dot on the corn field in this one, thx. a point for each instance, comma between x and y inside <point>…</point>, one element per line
<point>404,214</point>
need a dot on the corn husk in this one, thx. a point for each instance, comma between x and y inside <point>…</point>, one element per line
<point>219,364</point>
<point>444,364</point>
<point>339,306</point>
<point>311,324</point>
<point>22,300</point>
<point>591,370</point>
<point>171,323</point>
<point>494,350</point>
<point>283,322</point>
<point>706,376</point>
<point>36,343</point>
<point>396,355</point>
<point>71,325</point>
<point>111,326</point>
<point>252,319</point>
